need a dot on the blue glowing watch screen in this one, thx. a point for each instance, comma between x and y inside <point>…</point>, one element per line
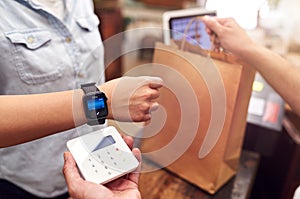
<point>94,104</point>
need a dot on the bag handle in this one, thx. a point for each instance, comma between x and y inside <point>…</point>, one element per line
<point>222,55</point>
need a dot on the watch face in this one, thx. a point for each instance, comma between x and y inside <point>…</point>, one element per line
<point>95,105</point>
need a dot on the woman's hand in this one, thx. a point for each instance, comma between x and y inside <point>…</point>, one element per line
<point>121,188</point>
<point>132,98</point>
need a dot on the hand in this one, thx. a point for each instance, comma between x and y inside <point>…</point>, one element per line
<point>226,33</point>
<point>124,187</point>
<point>133,98</point>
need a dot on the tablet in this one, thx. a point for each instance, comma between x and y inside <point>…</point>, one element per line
<point>175,23</point>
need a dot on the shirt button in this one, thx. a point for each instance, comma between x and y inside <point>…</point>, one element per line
<point>30,39</point>
<point>68,39</point>
<point>80,75</point>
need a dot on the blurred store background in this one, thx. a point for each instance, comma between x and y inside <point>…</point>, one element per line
<point>272,23</point>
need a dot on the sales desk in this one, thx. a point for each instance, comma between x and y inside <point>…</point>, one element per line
<point>278,174</point>
<point>162,184</point>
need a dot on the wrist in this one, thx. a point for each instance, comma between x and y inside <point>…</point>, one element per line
<point>77,107</point>
<point>249,54</point>
<point>108,88</point>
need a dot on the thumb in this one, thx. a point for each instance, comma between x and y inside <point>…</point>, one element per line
<point>70,170</point>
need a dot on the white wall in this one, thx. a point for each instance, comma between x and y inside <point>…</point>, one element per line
<point>290,8</point>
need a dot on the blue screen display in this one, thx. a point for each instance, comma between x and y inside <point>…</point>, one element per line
<point>97,103</point>
<point>105,142</point>
<point>196,34</point>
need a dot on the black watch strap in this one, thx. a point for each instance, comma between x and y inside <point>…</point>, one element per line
<point>96,122</point>
<point>89,88</point>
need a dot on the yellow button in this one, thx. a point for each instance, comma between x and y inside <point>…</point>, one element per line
<point>257,86</point>
<point>68,39</point>
<point>30,39</point>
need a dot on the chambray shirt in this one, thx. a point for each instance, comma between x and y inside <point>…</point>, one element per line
<point>40,53</point>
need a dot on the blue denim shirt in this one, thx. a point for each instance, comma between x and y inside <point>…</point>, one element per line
<point>40,53</point>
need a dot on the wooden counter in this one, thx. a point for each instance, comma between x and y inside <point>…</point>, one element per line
<point>162,184</point>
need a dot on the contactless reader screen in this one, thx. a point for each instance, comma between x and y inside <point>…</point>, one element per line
<point>105,142</point>
<point>94,104</point>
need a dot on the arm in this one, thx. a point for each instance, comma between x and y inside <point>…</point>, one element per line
<point>28,117</point>
<point>279,73</point>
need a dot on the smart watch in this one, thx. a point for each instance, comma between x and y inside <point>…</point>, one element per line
<point>94,104</point>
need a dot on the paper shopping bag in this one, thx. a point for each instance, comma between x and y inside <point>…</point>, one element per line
<point>198,131</point>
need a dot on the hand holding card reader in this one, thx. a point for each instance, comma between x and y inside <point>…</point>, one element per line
<point>102,156</point>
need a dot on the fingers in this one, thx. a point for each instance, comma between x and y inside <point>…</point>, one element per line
<point>212,24</point>
<point>153,82</point>
<point>154,107</point>
<point>69,165</point>
<point>134,176</point>
<point>219,29</point>
<point>153,94</point>
<point>156,83</point>
<point>70,172</point>
<point>133,98</point>
<point>149,93</point>
<point>129,141</point>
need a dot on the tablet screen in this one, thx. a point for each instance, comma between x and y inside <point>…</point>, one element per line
<point>195,35</point>
<point>175,23</point>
